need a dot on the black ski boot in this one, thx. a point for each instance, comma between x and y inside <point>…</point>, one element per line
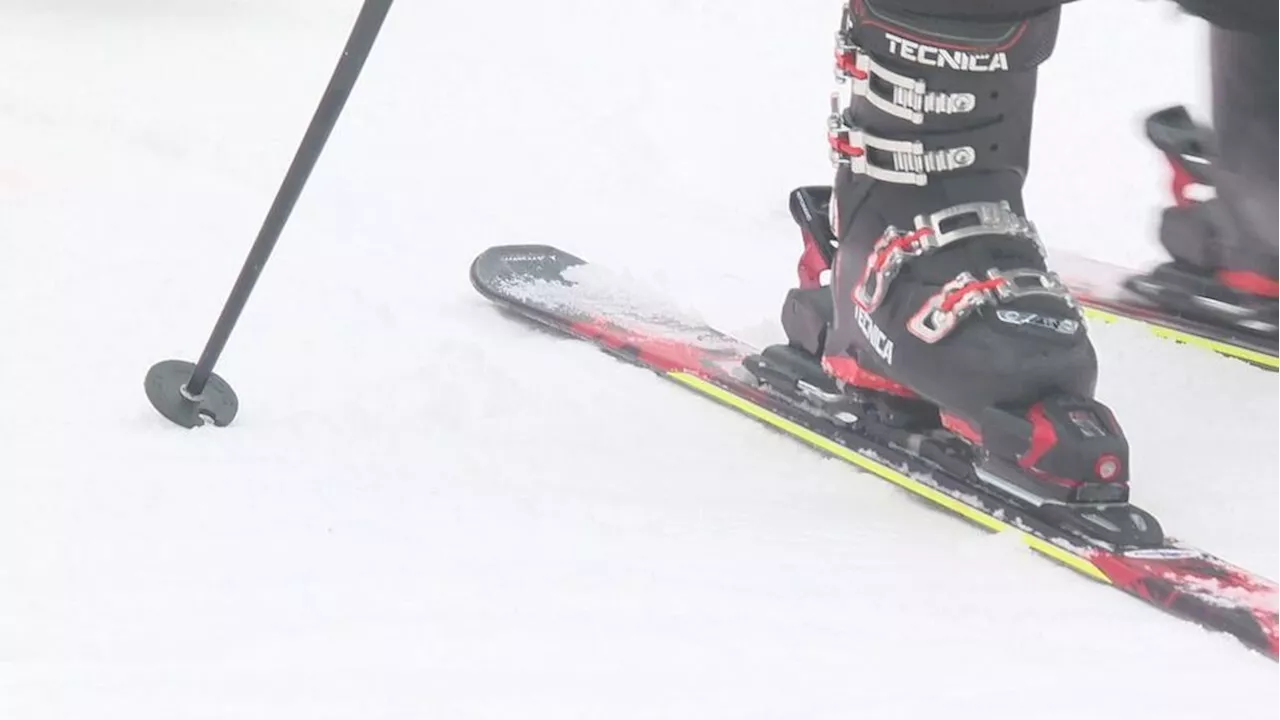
<point>1222,230</point>
<point>921,279</point>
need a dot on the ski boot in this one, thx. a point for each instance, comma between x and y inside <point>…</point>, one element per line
<point>1223,238</point>
<point>926,316</point>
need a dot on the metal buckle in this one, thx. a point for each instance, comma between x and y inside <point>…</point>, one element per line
<point>932,323</point>
<point>911,98</point>
<point>886,259</point>
<point>979,218</point>
<point>964,221</point>
<point>1025,282</point>
<point>911,162</point>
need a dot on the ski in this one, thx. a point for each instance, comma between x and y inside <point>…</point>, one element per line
<point>585,301</point>
<point>1104,291</point>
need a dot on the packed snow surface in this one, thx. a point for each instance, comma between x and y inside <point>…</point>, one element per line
<point>427,510</point>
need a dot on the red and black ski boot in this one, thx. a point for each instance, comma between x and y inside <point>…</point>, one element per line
<point>924,293</point>
<point>1221,231</point>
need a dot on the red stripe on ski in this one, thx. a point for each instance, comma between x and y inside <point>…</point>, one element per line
<point>1200,588</point>
<point>667,355</point>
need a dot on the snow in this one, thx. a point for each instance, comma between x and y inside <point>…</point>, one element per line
<point>426,510</point>
<point>593,290</point>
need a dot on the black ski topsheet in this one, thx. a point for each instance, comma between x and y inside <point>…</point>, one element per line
<point>564,292</point>
<point>1100,288</point>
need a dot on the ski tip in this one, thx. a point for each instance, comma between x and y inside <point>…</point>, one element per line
<point>530,262</point>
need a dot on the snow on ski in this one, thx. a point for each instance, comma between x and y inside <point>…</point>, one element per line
<point>561,291</point>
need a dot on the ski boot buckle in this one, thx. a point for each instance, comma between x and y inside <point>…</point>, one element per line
<point>971,219</point>
<point>911,98</point>
<point>963,221</point>
<point>911,162</point>
<point>964,294</point>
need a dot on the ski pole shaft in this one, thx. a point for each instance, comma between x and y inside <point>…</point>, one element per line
<point>359,44</point>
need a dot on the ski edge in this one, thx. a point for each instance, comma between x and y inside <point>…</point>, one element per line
<point>1263,360</point>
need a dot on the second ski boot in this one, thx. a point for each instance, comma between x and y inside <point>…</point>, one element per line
<point>923,286</point>
<point>1221,231</point>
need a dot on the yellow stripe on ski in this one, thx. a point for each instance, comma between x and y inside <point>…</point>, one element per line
<point>1253,356</point>
<point>804,434</point>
